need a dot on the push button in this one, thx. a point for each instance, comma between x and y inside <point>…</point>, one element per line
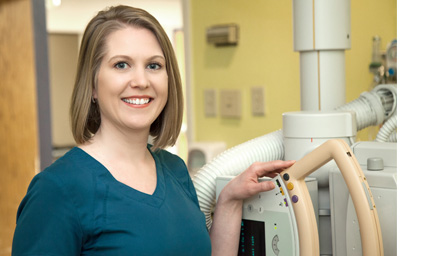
<point>295,199</point>
<point>250,207</point>
<point>275,241</point>
<point>286,176</point>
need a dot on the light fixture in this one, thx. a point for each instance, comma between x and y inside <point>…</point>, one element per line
<point>56,2</point>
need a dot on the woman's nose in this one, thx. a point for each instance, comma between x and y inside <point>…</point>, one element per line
<point>140,79</point>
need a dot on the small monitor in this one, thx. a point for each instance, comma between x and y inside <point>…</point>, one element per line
<point>252,240</point>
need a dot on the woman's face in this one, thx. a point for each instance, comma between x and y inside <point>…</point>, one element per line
<point>132,87</point>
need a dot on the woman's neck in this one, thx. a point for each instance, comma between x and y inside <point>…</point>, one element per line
<point>126,156</point>
<point>112,144</point>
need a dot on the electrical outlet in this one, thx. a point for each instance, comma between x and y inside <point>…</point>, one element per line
<point>258,101</point>
<point>230,103</point>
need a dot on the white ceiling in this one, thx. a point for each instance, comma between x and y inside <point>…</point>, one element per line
<point>73,15</point>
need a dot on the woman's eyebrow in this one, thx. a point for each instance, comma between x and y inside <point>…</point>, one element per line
<point>126,57</point>
<point>157,57</point>
<point>119,57</point>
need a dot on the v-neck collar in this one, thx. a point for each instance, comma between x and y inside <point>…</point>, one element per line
<point>155,200</point>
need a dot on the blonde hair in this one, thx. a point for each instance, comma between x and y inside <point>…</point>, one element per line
<point>85,114</point>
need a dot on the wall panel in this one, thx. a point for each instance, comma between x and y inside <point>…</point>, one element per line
<point>18,113</point>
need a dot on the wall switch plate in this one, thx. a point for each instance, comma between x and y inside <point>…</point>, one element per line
<point>230,103</point>
<point>258,101</point>
<point>210,102</point>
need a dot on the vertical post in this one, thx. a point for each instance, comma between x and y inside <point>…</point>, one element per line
<point>322,33</point>
<point>42,83</point>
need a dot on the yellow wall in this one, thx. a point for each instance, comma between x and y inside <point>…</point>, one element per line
<point>265,57</point>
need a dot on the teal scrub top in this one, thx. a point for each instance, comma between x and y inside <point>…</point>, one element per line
<point>76,207</point>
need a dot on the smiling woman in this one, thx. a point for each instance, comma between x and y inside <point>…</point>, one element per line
<point>132,87</point>
<point>114,194</point>
<point>94,48</point>
<point>105,196</point>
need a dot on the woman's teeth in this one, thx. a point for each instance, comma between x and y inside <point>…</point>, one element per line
<point>136,101</point>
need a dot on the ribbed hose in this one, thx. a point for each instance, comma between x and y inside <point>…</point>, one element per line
<point>374,107</point>
<point>231,163</point>
<point>393,137</point>
<point>371,108</point>
<point>386,133</point>
<point>366,114</point>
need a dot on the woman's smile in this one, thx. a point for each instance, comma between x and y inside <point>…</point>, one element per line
<point>137,101</point>
<point>132,87</point>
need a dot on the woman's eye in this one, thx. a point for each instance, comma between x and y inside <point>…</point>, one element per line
<point>121,65</point>
<point>154,66</point>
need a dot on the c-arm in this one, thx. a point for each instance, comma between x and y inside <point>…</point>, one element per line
<point>362,198</point>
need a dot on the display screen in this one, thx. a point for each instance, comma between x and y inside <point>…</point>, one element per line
<point>252,240</point>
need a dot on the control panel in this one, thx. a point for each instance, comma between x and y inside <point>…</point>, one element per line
<point>268,223</point>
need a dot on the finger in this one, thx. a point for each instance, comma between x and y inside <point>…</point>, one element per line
<point>265,186</point>
<point>273,174</point>
<point>265,168</point>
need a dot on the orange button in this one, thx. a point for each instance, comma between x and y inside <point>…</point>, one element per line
<point>290,186</point>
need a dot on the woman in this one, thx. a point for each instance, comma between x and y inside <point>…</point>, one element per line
<point>113,194</point>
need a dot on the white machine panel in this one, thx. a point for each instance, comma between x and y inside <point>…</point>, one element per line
<point>386,202</point>
<point>383,185</point>
<point>268,223</point>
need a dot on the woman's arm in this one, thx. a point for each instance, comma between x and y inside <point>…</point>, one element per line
<point>228,213</point>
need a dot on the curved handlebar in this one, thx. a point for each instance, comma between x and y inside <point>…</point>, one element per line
<point>294,178</point>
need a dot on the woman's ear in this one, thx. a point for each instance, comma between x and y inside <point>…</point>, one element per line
<point>94,96</point>
<point>94,93</point>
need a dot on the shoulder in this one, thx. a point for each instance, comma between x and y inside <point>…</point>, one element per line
<point>71,169</point>
<point>63,176</point>
<point>170,161</point>
<point>65,181</point>
<point>48,208</point>
<point>168,157</point>
<point>69,160</point>
<point>175,168</point>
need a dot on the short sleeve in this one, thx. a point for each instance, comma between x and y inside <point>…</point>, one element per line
<point>47,221</point>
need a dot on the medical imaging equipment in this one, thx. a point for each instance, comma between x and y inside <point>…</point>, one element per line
<point>273,215</point>
<point>378,160</point>
<point>268,226</point>
<point>321,35</point>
